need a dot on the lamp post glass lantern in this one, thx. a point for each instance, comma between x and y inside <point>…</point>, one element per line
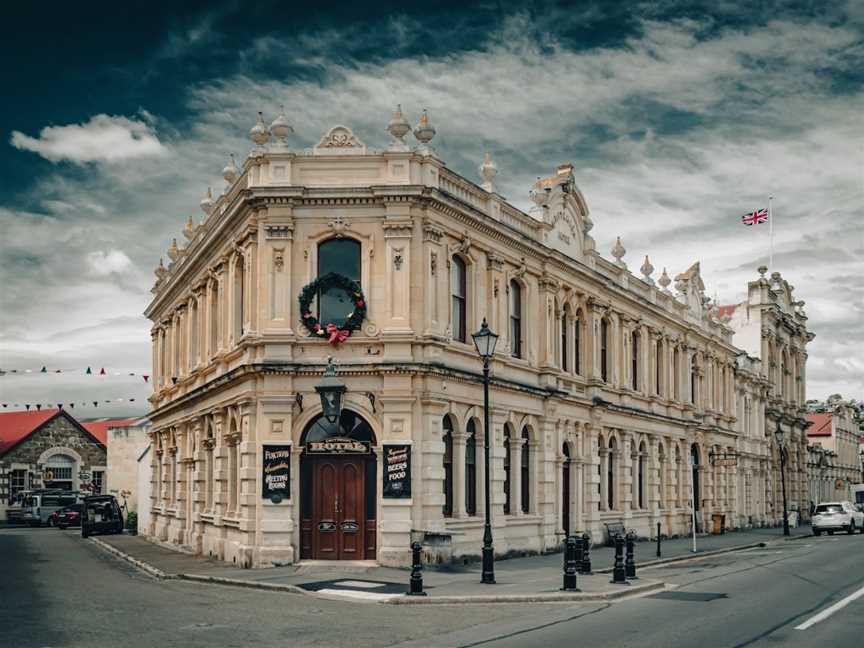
<point>331,391</point>
<point>779,435</point>
<point>485,341</point>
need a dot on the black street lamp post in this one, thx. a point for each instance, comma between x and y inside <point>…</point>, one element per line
<point>484,341</point>
<point>782,449</point>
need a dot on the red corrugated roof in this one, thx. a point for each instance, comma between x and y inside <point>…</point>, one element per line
<point>99,429</point>
<point>821,424</point>
<point>16,426</point>
<point>729,309</point>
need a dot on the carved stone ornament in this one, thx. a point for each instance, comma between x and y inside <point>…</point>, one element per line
<point>463,245</point>
<point>519,272</point>
<point>338,225</point>
<point>278,259</point>
<point>433,263</point>
<point>397,258</point>
<point>339,140</point>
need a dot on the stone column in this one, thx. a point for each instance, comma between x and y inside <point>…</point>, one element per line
<point>434,312</point>
<point>396,318</point>
<point>459,473</point>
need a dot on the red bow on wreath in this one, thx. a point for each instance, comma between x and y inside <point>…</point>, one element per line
<point>336,334</point>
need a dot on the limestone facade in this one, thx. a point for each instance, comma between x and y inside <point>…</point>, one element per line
<point>604,384</point>
<point>835,462</point>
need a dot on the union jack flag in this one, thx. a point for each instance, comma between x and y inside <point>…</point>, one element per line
<point>755,217</point>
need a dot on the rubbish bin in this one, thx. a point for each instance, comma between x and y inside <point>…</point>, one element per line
<point>718,524</point>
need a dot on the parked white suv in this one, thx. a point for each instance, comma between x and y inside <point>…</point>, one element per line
<point>837,516</point>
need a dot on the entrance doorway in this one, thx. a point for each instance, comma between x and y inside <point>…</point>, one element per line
<point>337,490</point>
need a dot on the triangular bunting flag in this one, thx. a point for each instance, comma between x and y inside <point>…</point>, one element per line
<point>27,405</point>
<point>102,372</point>
<point>146,377</point>
<point>88,372</point>
<point>38,406</point>
<point>95,403</point>
<point>60,405</point>
<point>72,405</point>
<point>43,370</point>
<point>58,371</point>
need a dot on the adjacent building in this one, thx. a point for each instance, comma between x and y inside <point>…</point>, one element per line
<point>48,449</point>
<point>835,464</point>
<point>614,399</point>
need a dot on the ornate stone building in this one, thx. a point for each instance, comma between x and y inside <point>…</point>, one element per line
<point>835,464</point>
<point>612,398</point>
<point>771,326</point>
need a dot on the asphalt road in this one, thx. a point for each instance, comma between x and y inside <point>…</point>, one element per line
<point>57,590</point>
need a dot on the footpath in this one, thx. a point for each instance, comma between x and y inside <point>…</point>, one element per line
<point>528,579</point>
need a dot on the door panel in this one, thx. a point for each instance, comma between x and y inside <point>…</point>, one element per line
<point>324,520</point>
<point>351,511</point>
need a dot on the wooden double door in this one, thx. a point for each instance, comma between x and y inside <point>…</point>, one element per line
<point>335,524</point>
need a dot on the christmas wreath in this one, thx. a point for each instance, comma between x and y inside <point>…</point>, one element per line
<point>353,320</point>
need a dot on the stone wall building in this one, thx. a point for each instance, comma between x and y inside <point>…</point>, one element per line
<point>771,326</point>
<point>836,464</point>
<point>47,449</point>
<point>127,439</point>
<point>613,399</point>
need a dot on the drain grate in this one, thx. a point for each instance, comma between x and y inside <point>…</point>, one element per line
<point>697,597</point>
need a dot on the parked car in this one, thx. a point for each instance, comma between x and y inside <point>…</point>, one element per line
<point>69,516</point>
<point>837,516</point>
<point>40,505</point>
<point>101,514</point>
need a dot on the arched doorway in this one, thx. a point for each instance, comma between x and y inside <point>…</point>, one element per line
<point>694,462</point>
<point>565,490</point>
<point>338,500</point>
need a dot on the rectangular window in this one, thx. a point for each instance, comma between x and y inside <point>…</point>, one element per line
<point>98,482</point>
<point>459,289</point>
<point>564,351</point>
<point>17,483</point>
<point>516,319</point>
<point>471,476</point>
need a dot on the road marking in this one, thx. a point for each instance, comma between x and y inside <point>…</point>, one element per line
<point>824,614</point>
<point>354,594</point>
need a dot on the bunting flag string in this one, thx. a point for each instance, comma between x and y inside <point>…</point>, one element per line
<point>70,405</point>
<point>88,372</point>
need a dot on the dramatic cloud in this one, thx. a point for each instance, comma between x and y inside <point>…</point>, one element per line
<point>674,132</point>
<point>107,263</point>
<point>103,139</point>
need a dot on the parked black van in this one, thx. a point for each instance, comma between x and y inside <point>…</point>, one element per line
<point>101,514</point>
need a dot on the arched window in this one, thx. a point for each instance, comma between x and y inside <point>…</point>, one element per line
<point>577,343</point>
<point>340,256</point>
<point>676,374</point>
<point>508,462</point>
<point>214,318</point>
<point>565,490</point>
<point>658,369</point>
<point>634,360</point>
<point>526,472</point>
<point>661,461</point>
<point>565,352</point>
<point>447,509</point>
<point>641,476</point>
<point>515,319</point>
<point>471,469</point>
<point>239,280</point>
<point>459,291</point>
<point>611,461</point>
<point>604,350</point>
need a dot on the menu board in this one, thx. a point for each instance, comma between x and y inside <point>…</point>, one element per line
<point>397,471</point>
<point>276,475</point>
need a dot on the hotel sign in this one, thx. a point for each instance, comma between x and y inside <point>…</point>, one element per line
<point>276,473</point>
<point>337,445</point>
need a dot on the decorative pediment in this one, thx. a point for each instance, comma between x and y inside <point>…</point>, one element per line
<point>339,140</point>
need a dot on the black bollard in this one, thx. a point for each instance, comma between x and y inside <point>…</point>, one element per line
<point>416,572</point>
<point>658,540</point>
<point>585,561</point>
<point>619,576</point>
<point>570,563</point>
<point>630,561</point>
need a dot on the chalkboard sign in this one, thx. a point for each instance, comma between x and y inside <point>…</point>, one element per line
<point>276,475</point>
<point>397,471</point>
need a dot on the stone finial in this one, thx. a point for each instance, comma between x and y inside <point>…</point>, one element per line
<point>189,230</point>
<point>424,131</point>
<point>173,251</point>
<point>646,270</point>
<point>229,172</point>
<point>618,251</point>
<point>160,270</point>
<point>762,270</point>
<point>207,202</point>
<point>398,127</point>
<point>665,282</point>
<point>281,129</point>
<point>259,133</point>
<point>488,171</point>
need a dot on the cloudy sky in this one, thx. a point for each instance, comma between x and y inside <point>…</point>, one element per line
<point>678,116</point>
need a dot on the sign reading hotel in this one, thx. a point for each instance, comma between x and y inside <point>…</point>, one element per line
<point>337,445</point>
<point>276,476</point>
<point>397,471</point>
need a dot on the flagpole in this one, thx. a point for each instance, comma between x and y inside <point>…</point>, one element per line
<point>770,234</point>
